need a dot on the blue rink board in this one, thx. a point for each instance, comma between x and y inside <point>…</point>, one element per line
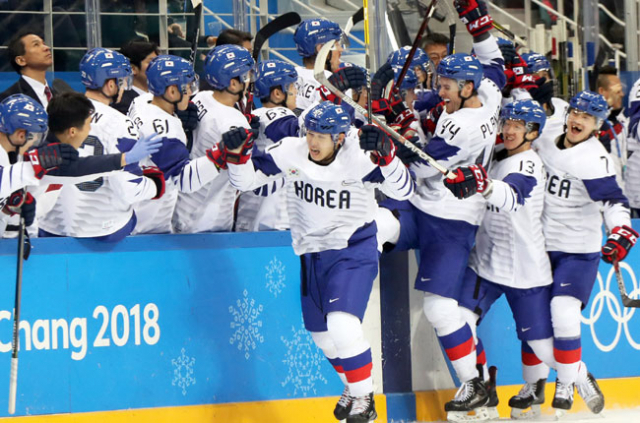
<point>229,319</point>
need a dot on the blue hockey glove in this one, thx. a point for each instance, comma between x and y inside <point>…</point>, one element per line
<point>143,148</point>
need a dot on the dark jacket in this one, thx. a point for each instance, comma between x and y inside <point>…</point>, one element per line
<point>22,87</point>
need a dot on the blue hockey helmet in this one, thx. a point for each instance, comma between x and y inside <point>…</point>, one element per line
<point>327,118</point>
<point>537,62</point>
<point>410,79</point>
<point>528,111</point>
<point>226,62</point>
<point>420,58</point>
<point>167,70</point>
<point>312,32</point>
<point>100,64</point>
<point>273,74</point>
<point>590,103</point>
<point>19,111</point>
<point>461,67</point>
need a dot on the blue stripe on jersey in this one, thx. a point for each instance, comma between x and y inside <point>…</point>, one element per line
<point>263,162</point>
<point>605,189</point>
<point>440,150</point>
<point>495,72</point>
<point>521,184</point>
<point>374,176</point>
<point>136,181</point>
<point>172,157</point>
<point>125,144</point>
<point>634,118</point>
<point>287,126</point>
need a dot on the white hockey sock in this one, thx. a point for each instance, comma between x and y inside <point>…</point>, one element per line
<point>567,350</point>
<point>325,343</point>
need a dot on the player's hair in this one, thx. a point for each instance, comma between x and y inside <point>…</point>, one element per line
<point>68,110</point>
<point>435,38</point>
<point>16,47</point>
<point>137,51</point>
<point>603,76</point>
<point>233,36</point>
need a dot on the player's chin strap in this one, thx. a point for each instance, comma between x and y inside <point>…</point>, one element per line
<point>175,103</point>
<point>460,87</point>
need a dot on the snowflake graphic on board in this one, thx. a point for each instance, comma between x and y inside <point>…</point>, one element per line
<point>304,360</point>
<point>246,324</point>
<point>275,276</point>
<point>183,375</point>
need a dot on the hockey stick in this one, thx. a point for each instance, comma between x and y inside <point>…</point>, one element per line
<point>626,300</point>
<point>355,19</point>
<point>451,20</point>
<point>197,11</point>
<point>278,24</point>
<point>365,10</point>
<point>318,71</point>
<point>23,254</point>
<point>509,34</point>
<point>416,41</point>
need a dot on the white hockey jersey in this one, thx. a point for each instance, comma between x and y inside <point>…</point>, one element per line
<point>510,246</point>
<point>307,87</point>
<point>104,205</point>
<point>181,174</point>
<point>209,209</point>
<point>632,175</point>
<point>327,204</point>
<point>581,186</point>
<point>555,122</point>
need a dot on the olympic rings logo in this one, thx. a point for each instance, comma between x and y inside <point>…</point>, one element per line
<point>620,314</point>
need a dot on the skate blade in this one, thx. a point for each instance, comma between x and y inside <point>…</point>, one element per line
<point>560,413</point>
<point>480,414</point>
<point>596,405</point>
<point>527,413</point>
<point>492,413</point>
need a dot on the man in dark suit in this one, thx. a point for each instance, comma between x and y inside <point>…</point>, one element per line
<point>30,57</point>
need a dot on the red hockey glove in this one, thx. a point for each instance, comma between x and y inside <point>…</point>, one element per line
<point>327,95</point>
<point>619,243</point>
<point>475,15</point>
<point>376,140</point>
<point>22,203</point>
<point>468,181</point>
<point>402,123</point>
<point>157,176</point>
<point>431,121</point>
<point>222,154</point>
<point>50,157</point>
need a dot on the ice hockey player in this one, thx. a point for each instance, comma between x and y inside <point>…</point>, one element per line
<point>442,227</point>
<point>103,208</point>
<point>426,96</point>
<point>309,37</point>
<point>510,234</point>
<point>544,92</point>
<point>171,81</point>
<point>332,207</point>
<point>632,187</point>
<point>211,208</point>
<point>581,188</point>
<point>275,86</point>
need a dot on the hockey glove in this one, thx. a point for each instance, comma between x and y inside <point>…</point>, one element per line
<point>543,91</point>
<point>406,155</point>
<point>189,117</point>
<point>475,15</point>
<point>50,157</point>
<point>254,123</point>
<point>22,203</point>
<point>376,140</point>
<point>468,181</point>
<point>232,140</point>
<point>508,54</point>
<point>620,241</point>
<point>402,122</point>
<point>348,77</point>
<point>380,80</point>
<point>327,95</point>
<point>157,176</point>
<point>431,121</point>
<point>143,148</point>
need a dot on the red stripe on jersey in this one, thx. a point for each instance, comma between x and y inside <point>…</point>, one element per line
<point>567,357</point>
<point>461,350</point>
<point>54,187</point>
<point>360,374</point>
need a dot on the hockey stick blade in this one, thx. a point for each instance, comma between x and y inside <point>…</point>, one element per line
<point>626,300</point>
<point>416,41</point>
<point>354,20</point>
<point>273,27</point>
<point>318,71</point>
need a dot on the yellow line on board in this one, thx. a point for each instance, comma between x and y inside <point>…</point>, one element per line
<point>618,394</point>
<point>305,410</point>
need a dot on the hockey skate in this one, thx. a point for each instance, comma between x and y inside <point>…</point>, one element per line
<point>343,407</point>
<point>492,404</point>
<point>590,392</point>
<point>469,403</point>
<point>363,409</point>
<point>563,398</point>
<point>531,396</point>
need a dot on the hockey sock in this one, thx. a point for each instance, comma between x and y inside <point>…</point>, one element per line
<point>325,343</point>
<point>533,369</point>
<point>454,334</point>
<point>388,227</point>
<point>354,351</point>
<point>481,359</point>
<point>565,316</point>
